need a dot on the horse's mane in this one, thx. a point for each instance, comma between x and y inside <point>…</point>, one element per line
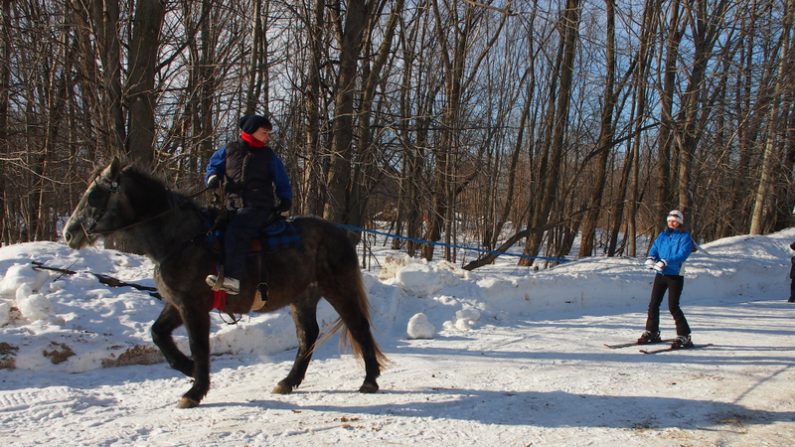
<point>151,194</point>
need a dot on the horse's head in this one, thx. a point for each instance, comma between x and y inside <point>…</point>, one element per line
<point>102,209</point>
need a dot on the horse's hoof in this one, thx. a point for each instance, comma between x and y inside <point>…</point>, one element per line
<point>187,402</point>
<point>282,389</point>
<point>369,388</point>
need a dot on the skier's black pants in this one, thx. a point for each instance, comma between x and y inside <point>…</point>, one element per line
<point>674,285</point>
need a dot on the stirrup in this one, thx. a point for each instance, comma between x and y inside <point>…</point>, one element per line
<point>260,297</point>
<point>228,285</point>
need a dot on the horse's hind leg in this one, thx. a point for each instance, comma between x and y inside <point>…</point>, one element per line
<point>165,324</point>
<point>306,328</point>
<point>359,328</point>
<point>351,304</point>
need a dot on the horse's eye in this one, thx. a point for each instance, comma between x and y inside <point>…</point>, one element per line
<point>98,198</point>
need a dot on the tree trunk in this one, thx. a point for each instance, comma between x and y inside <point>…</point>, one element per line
<point>313,171</point>
<point>56,107</point>
<point>5,82</point>
<point>258,89</point>
<point>557,122</point>
<point>604,144</point>
<point>523,127</point>
<point>771,143</point>
<point>454,55</point>
<point>705,34</point>
<point>664,201</point>
<point>208,82</point>
<point>106,22</point>
<point>336,209</point>
<point>141,93</point>
<point>365,173</point>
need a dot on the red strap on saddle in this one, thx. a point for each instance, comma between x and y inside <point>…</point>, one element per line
<point>219,300</point>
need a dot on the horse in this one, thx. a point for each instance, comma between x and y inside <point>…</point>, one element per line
<point>170,228</point>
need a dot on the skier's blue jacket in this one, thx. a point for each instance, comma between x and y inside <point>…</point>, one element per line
<point>672,246</point>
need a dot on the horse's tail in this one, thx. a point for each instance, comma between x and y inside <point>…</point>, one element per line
<point>346,338</point>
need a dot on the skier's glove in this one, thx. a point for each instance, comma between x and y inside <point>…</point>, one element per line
<point>660,265</point>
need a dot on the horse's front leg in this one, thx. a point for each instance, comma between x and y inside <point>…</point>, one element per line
<point>162,329</point>
<point>197,323</point>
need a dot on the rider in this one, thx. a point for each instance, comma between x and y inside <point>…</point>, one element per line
<point>250,172</point>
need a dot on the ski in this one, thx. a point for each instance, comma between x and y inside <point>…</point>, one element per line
<point>634,343</point>
<point>668,349</point>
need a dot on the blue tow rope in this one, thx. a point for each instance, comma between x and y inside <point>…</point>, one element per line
<point>442,244</point>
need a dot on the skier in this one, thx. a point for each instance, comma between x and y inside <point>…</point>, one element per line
<point>667,254</point>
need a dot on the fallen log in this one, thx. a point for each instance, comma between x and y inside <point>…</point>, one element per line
<point>104,279</point>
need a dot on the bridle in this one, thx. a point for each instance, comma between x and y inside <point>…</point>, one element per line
<point>113,188</point>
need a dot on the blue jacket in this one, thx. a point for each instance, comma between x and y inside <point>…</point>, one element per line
<point>672,246</point>
<point>217,166</point>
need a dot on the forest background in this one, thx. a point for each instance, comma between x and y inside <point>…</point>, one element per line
<point>499,122</point>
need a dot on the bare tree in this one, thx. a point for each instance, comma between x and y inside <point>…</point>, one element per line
<point>5,80</point>
<point>314,171</point>
<point>666,90</point>
<point>772,143</point>
<point>556,121</point>
<point>140,89</point>
<point>455,121</point>
<point>356,19</point>
<point>454,33</point>
<point>604,142</point>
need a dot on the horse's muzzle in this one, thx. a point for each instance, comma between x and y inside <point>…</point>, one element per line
<point>75,236</point>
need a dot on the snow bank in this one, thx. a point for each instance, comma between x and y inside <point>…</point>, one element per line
<point>72,323</point>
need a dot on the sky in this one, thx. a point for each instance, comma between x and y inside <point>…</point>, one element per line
<point>497,356</point>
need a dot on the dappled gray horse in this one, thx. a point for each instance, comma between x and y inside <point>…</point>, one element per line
<point>170,228</point>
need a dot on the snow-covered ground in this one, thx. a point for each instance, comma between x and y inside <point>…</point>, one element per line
<point>503,356</point>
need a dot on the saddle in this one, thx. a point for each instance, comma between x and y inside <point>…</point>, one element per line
<point>279,233</point>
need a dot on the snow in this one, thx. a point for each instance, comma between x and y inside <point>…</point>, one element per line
<point>499,356</point>
<point>420,327</point>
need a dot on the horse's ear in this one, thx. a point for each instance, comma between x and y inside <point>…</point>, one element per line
<point>112,171</point>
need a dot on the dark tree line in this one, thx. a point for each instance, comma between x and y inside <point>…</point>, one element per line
<point>545,123</point>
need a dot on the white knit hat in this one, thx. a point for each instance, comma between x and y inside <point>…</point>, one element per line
<point>677,216</point>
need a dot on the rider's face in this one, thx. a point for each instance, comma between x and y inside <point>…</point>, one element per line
<point>262,134</point>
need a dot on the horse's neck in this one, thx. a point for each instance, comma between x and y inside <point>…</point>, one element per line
<point>168,229</point>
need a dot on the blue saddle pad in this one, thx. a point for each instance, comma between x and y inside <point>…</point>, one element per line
<point>280,234</point>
